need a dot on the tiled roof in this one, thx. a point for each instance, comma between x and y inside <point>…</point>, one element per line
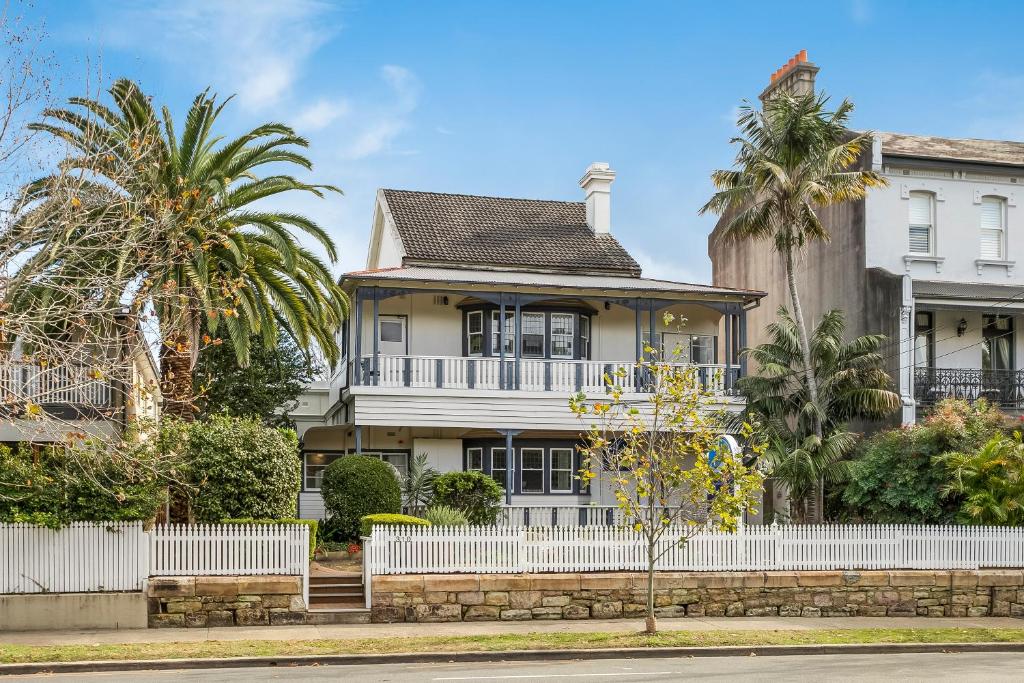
<point>523,281</point>
<point>467,230</point>
<point>954,149</point>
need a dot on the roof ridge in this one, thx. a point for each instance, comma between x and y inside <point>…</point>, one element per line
<point>945,137</point>
<point>483,196</point>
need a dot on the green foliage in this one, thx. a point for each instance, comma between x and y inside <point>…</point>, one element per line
<point>989,482</point>
<point>355,486</point>
<point>477,495</point>
<point>445,515</point>
<point>314,540</point>
<point>367,522</point>
<point>275,376</point>
<point>87,482</point>
<point>895,478</point>
<point>851,384</point>
<point>237,467</point>
<point>418,484</point>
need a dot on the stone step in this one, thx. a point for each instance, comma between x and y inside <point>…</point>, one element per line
<point>321,577</point>
<point>358,593</point>
<point>338,616</point>
<point>336,584</point>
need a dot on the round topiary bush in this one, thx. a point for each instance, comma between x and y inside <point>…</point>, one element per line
<point>367,523</point>
<point>355,486</point>
<point>477,495</point>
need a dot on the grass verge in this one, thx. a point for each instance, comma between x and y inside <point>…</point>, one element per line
<point>19,654</point>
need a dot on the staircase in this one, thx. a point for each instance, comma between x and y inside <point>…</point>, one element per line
<point>337,598</point>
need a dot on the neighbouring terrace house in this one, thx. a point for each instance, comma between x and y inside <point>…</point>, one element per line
<point>929,261</point>
<point>475,320</point>
<point>42,403</point>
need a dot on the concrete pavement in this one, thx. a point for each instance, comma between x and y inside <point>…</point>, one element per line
<point>346,631</point>
<point>962,667</point>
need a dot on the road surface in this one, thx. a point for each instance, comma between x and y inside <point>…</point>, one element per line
<point>985,666</point>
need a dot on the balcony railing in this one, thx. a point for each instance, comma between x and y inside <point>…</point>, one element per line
<point>71,390</point>
<point>1004,388</point>
<point>457,372</point>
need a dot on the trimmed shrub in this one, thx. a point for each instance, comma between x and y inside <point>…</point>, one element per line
<point>240,468</point>
<point>355,486</point>
<point>314,540</point>
<point>445,515</point>
<point>367,523</point>
<point>477,495</point>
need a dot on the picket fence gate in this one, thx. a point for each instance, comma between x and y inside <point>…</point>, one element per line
<point>497,550</point>
<point>88,557</point>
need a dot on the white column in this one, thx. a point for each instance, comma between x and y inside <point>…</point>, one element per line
<point>906,366</point>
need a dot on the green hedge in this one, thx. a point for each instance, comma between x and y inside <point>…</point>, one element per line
<point>314,541</point>
<point>367,522</point>
<point>355,486</point>
<point>475,493</point>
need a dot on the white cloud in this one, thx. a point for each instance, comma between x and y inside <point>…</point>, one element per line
<point>257,47</point>
<point>384,123</point>
<point>660,269</point>
<point>320,115</point>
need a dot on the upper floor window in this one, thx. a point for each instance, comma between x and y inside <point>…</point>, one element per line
<point>584,336</point>
<point>563,334</point>
<point>533,335</point>
<point>510,333</point>
<point>475,332</point>
<point>993,239</point>
<point>922,222</point>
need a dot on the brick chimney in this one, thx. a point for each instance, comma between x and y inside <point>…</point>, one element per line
<point>597,187</point>
<point>795,76</point>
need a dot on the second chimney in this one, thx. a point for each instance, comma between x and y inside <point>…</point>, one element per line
<point>597,187</point>
<point>795,77</point>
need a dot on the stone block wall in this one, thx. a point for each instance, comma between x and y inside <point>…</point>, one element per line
<point>202,601</point>
<point>520,597</point>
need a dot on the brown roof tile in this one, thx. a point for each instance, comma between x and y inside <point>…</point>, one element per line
<point>467,230</point>
<point>1004,152</point>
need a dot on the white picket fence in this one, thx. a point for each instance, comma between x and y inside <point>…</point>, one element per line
<point>498,550</point>
<point>120,556</point>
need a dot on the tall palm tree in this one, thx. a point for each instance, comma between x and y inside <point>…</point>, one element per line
<point>224,258</point>
<point>852,384</point>
<point>794,157</point>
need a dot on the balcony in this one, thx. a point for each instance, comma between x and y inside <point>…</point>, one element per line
<point>66,391</point>
<point>526,374</point>
<point>1004,388</point>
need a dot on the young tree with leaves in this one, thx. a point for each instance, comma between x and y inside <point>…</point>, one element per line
<point>655,454</point>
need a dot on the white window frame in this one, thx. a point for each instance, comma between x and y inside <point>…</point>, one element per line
<point>510,333</point>
<point>572,335</point>
<point>534,315</point>
<point>584,337</point>
<point>306,465</point>
<point>470,454</point>
<point>470,334</point>
<point>504,479</point>
<point>523,469</point>
<point>929,226</point>
<point>694,346</point>
<point>552,469</point>
<point>1001,230</point>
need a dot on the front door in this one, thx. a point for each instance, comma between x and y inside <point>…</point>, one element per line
<point>394,338</point>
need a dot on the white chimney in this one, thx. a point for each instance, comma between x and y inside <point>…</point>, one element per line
<point>597,186</point>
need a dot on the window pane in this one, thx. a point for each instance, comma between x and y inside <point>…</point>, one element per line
<point>475,322</point>
<point>702,349</point>
<point>498,466</point>
<point>561,470</point>
<point>391,331</point>
<point>533,470</point>
<point>400,461</point>
<point>584,337</point>
<point>475,459</point>
<point>563,329</point>
<point>991,228</point>
<point>475,333</point>
<point>316,463</point>
<point>510,333</point>
<point>533,334</point>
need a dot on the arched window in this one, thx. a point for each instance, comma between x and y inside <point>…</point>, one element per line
<point>922,223</point>
<point>993,223</point>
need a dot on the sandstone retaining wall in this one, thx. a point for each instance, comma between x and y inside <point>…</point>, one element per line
<point>515,597</point>
<point>202,601</point>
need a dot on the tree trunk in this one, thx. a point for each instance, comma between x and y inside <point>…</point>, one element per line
<point>651,623</point>
<point>176,378</point>
<point>805,346</point>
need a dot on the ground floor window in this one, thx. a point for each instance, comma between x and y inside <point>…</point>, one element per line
<point>541,466</point>
<point>315,462</point>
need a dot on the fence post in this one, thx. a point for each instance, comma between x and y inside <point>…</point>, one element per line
<point>367,570</point>
<point>304,557</point>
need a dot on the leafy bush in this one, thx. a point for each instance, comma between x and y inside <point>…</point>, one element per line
<point>895,477</point>
<point>474,493</point>
<point>239,468</point>
<point>367,523</point>
<point>355,486</point>
<point>89,482</point>
<point>445,515</point>
<point>989,483</point>
<point>418,484</point>
<point>314,540</point>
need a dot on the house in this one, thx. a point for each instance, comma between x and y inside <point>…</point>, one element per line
<point>929,261</point>
<point>475,320</point>
<point>44,402</point>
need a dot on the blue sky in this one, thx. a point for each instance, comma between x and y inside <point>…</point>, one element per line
<point>516,99</point>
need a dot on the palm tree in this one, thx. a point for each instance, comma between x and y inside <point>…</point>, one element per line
<point>793,157</point>
<point>222,261</point>
<point>852,384</point>
<point>989,482</point>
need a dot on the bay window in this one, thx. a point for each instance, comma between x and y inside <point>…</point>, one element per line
<point>475,333</point>
<point>510,333</point>
<point>563,334</point>
<point>533,335</point>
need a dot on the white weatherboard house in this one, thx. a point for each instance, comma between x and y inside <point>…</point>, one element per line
<point>429,368</point>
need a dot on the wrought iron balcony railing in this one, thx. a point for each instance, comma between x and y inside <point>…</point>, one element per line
<point>1004,388</point>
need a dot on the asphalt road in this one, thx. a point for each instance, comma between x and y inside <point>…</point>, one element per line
<point>900,667</point>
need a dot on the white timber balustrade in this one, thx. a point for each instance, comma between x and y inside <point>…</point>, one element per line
<point>84,557</point>
<point>459,372</point>
<point>515,549</point>
<point>76,385</point>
